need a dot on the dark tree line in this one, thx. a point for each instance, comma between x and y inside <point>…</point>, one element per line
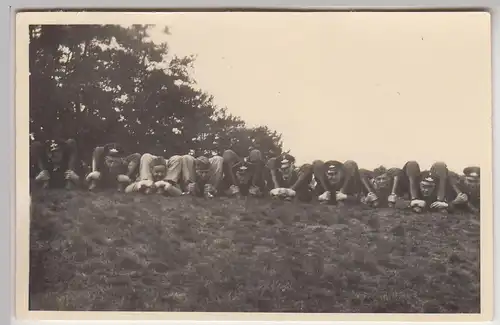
<point>104,83</point>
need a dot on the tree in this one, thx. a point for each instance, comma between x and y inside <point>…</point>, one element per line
<point>102,83</point>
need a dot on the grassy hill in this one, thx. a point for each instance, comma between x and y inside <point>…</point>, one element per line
<point>111,251</point>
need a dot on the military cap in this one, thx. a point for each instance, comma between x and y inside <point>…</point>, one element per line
<point>472,171</point>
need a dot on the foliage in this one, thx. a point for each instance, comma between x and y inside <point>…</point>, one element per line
<point>103,83</point>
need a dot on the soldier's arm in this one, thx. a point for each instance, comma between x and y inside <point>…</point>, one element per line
<point>366,176</point>
<point>271,164</point>
<point>351,173</point>
<point>454,181</point>
<point>304,176</point>
<point>98,159</point>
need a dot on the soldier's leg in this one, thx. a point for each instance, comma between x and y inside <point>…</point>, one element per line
<point>133,162</point>
<point>144,182</point>
<point>230,159</point>
<point>412,172</point>
<point>174,170</point>
<point>216,171</point>
<point>327,195</point>
<point>95,176</point>
<point>188,170</point>
<point>301,187</point>
<point>257,161</point>
<point>74,166</point>
<point>352,181</point>
<point>145,167</point>
<point>38,161</point>
<point>439,170</point>
<point>319,170</point>
<point>272,167</point>
<point>73,156</point>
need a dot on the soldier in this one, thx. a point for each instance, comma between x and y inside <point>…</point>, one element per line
<point>56,164</point>
<point>202,176</point>
<point>336,181</point>
<point>157,174</point>
<point>466,189</point>
<point>379,186</point>
<point>244,176</point>
<point>425,189</point>
<point>112,167</point>
<point>289,181</point>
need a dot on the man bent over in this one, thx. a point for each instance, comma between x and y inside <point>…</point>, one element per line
<point>112,167</point>
<point>244,176</point>
<point>336,181</point>
<point>202,176</point>
<point>425,189</point>
<point>56,164</point>
<point>157,174</point>
<point>289,181</point>
<point>466,189</point>
<point>379,186</point>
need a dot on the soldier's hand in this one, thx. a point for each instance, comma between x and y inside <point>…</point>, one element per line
<point>43,176</point>
<point>254,190</point>
<point>371,197</point>
<point>461,198</point>
<point>209,190</point>
<point>341,196</point>
<point>392,198</point>
<point>473,209</point>
<point>93,176</point>
<point>71,176</point>
<point>233,190</point>
<point>417,203</point>
<point>191,188</point>
<point>439,205</point>
<point>162,184</point>
<point>123,179</point>
<point>278,192</point>
<point>325,196</point>
<point>144,183</point>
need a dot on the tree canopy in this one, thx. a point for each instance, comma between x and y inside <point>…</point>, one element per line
<point>109,83</point>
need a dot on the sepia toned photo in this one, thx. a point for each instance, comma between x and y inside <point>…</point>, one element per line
<point>255,162</point>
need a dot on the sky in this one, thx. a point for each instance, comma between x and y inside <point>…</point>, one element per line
<point>377,88</point>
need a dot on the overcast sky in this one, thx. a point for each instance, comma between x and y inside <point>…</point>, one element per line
<point>378,88</point>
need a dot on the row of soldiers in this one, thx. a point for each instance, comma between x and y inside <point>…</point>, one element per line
<point>56,163</point>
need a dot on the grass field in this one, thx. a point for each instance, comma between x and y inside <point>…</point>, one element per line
<point>111,251</point>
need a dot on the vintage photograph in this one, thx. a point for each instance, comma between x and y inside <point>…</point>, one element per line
<point>284,162</point>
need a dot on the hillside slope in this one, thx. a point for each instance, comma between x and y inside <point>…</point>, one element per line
<point>111,251</point>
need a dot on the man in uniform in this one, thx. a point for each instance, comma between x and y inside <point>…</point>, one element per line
<point>112,167</point>
<point>336,181</point>
<point>202,176</point>
<point>289,181</point>
<point>244,176</point>
<point>425,189</point>
<point>466,189</point>
<point>157,174</point>
<point>379,186</point>
<point>56,164</point>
